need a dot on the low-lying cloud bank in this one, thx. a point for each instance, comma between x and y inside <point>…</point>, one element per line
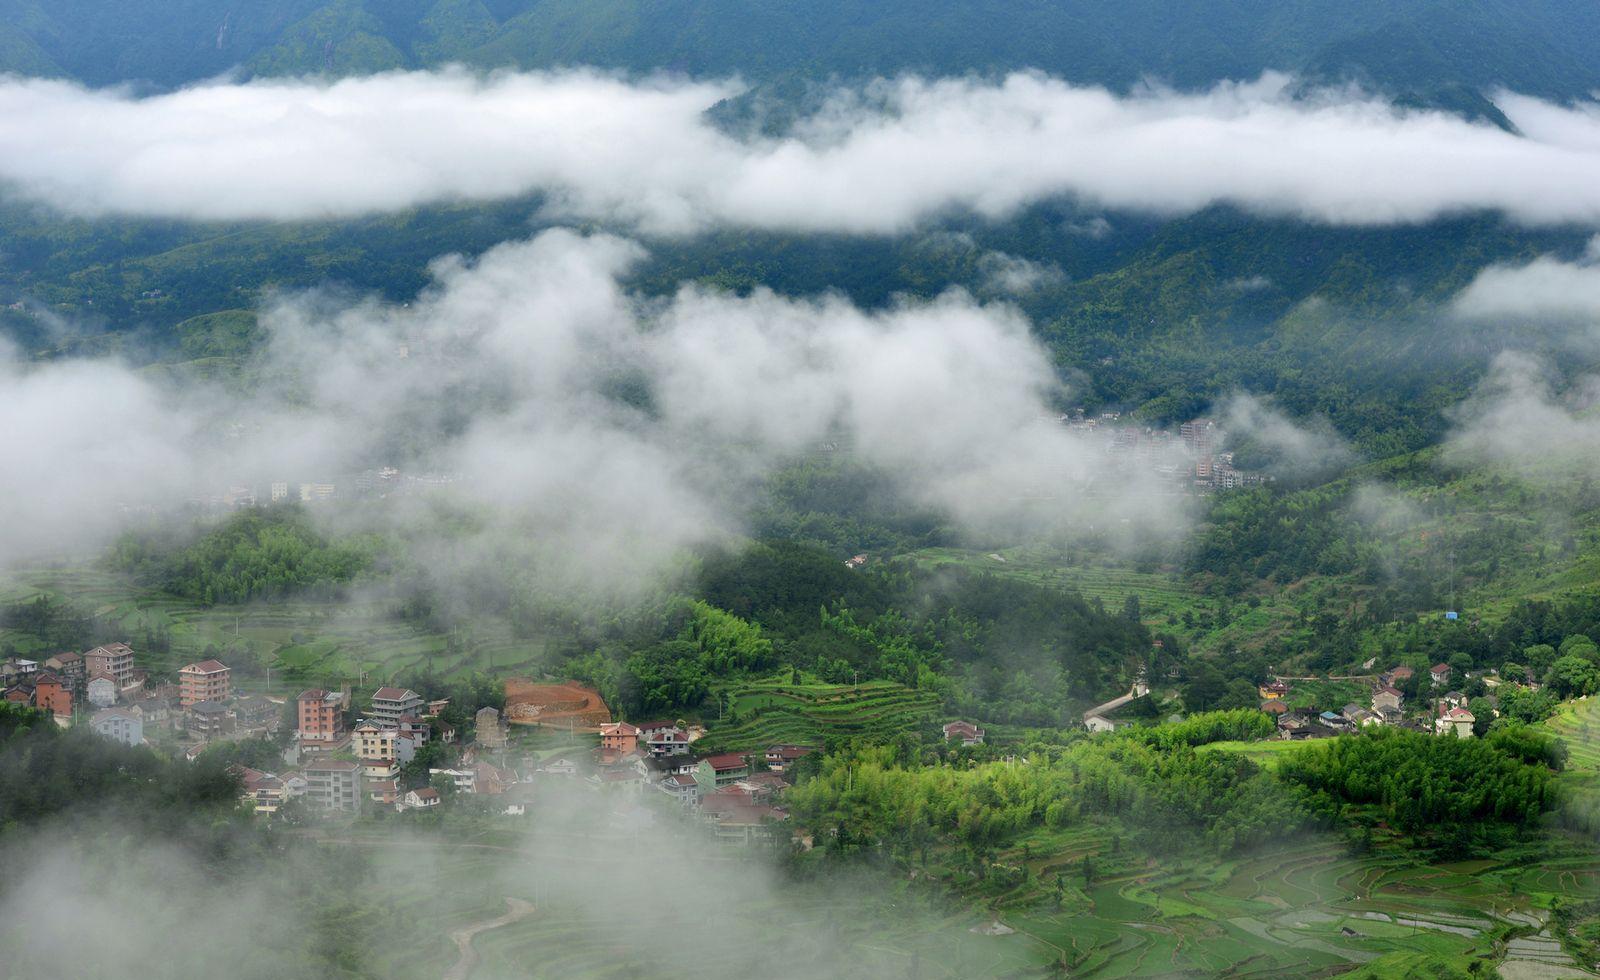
<point>610,429</point>
<point>1546,288</point>
<point>643,154</point>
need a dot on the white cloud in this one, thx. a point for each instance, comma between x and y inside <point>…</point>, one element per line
<point>1516,417</point>
<point>644,155</point>
<point>513,362</point>
<point>1298,448</point>
<point>1013,275</point>
<point>1545,288</point>
<point>77,437</point>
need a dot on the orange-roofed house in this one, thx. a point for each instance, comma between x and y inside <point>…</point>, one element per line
<point>207,680</point>
<point>619,737</point>
<point>51,694</point>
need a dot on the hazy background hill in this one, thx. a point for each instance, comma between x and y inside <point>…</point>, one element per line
<point>1435,51</point>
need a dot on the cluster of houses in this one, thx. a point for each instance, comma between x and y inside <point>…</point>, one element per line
<point>339,770</point>
<point>123,705</point>
<point>1189,459</point>
<point>384,482</point>
<point>339,767</point>
<point>736,793</point>
<point>1387,706</point>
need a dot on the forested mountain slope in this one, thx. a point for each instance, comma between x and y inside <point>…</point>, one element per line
<point>1430,50</point>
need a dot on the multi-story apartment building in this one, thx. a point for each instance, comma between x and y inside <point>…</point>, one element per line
<point>390,704</point>
<point>125,725</point>
<point>209,719</point>
<point>114,659</point>
<point>207,680</point>
<point>334,784</point>
<point>320,717</point>
<point>382,750</point>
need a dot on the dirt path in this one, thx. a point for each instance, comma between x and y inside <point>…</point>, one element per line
<point>466,956</point>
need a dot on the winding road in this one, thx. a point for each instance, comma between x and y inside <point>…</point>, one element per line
<point>466,956</point>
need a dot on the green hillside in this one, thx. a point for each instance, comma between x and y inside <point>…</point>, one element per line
<point>1433,51</point>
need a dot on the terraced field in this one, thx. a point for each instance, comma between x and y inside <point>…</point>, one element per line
<point>774,711</point>
<point>1578,723</point>
<point>299,642</point>
<point>1300,910</point>
<point>1159,592</point>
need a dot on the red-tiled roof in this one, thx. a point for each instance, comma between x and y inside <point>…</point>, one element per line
<point>1439,669</point>
<point>789,752</point>
<point>727,760</point>
<point>394,694</point>
<point>204,667</point>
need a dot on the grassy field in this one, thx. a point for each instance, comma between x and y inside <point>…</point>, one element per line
<point>1264,754</point>
<point>777,711</point>
<point>300,642</point>
<point>1167,602</point>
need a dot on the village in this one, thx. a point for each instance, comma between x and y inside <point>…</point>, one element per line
<point>1443,709</point>
<point>336,755</point>
<point>1188,459</point>
<point>1433,705</point>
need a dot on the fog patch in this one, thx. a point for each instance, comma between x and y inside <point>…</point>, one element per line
<point>1301,449</point>
<point>1519,417</point>
<point>645,154</point>
<point>1013,275</point>
<point>606,431</point>
<point>1544,288</point>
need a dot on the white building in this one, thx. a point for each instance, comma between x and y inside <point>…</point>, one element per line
<point>125,725</point>
<point>101,691</point>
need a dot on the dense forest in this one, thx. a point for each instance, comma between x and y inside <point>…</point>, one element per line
<point>258,555</point>
<point>1151,783</point>
<point>1429,51</point>
<point>46,772</point>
